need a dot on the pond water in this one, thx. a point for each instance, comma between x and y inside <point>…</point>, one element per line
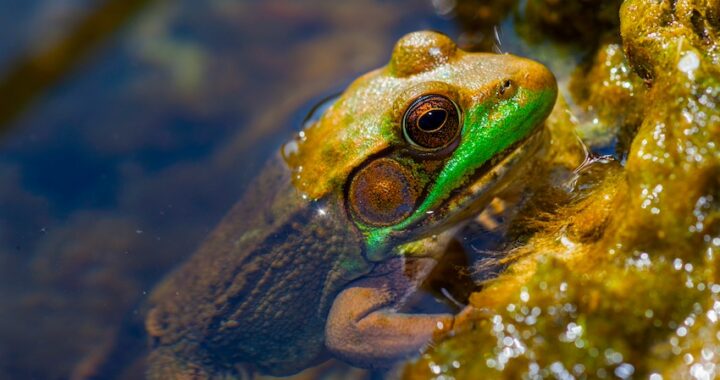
<point>115,170</point>
<point>129,128</point>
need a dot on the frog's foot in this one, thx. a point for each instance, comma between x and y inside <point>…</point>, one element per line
<point>364,327</point>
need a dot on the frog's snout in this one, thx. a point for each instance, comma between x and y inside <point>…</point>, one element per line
<point>532,85</point>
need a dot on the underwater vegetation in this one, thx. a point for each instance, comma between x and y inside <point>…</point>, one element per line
<point>614,271</point>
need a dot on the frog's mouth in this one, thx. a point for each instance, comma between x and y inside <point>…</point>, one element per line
<point>484,184</point>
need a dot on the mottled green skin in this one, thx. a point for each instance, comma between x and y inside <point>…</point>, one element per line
<point>257,294</point>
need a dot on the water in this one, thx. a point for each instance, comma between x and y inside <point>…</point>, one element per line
<point>116,171</point>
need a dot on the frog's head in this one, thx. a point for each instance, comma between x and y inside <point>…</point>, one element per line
<point>414,147</point>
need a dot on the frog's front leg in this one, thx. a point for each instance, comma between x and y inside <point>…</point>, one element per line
<point>364,327</point>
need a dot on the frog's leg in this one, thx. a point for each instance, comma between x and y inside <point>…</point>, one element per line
<point>364,327</point>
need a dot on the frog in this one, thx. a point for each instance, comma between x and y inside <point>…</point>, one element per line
<point>319,256</point>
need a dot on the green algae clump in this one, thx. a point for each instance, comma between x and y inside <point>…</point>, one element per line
<point>623,279</point>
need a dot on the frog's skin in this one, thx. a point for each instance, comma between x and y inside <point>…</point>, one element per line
<point>339,228</point>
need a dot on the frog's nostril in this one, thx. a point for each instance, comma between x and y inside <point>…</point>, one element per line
<point>507,88</point>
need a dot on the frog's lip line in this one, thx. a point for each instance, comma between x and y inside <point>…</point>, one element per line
<point>493,175</point>
<point>441,239</point>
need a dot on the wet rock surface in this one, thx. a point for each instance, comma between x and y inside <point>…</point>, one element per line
<point>620,280</point>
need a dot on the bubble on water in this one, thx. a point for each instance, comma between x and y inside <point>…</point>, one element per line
<point>434,368</point>
<point>712,316</point>
<point>612,356</point>
<point>677,264</point>
<point>707,354</point>
<point>579,369</point>
<point>689,63</point>
<point>524,295</point>
<point>689,321</point>
<point>703,371</point>
<point>688,359</point>
<point>533,368</point>
<point>642,262</point>
<point>573,331</point>
<point>624,370</point>
<point>558,369</point>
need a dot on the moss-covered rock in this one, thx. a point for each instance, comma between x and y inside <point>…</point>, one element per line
<point>621,280</point>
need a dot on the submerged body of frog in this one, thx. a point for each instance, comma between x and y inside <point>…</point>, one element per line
<point>329,240</point>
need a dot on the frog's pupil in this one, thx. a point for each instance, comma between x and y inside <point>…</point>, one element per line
<point>432,120</point>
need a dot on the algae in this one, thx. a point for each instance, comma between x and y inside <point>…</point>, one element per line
<point>619,278</point>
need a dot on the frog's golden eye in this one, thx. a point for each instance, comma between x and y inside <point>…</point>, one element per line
<point>431,122</point>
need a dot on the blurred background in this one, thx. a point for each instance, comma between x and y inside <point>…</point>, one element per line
<point>129,127</point>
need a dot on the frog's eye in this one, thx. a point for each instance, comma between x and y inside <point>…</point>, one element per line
<point>431,122</point>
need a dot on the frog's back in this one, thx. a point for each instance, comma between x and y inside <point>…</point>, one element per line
<point>257,291</point>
